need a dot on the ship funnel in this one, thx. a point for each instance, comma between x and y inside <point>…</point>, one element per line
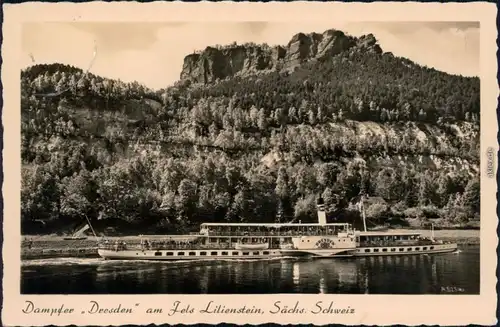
<point>321,212</point>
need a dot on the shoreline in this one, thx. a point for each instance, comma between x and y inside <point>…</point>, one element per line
<point>51,246</point>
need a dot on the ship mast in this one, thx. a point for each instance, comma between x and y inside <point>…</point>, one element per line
<point>90,225</point>
<point>362,207</point>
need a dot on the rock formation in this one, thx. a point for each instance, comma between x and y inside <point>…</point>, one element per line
<point>214,64</point>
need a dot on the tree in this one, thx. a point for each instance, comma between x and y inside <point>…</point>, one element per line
<point>411,197</point>
<point>425,190</point>
<point>79,193</point>
<point>186,198</point>
<point>254,116</point>
<point>472,196</point>
<point>312,117</point>
<point>262,121</point>
<point>282,191</point>
<point>384,183</point>
<point>305,208</point>
<point>305,181</point>
<point>282,183</point>
<point>444,189</point>
<point>40,193</point>
<point>327,174</point>
<point>330,198</point>
<point>376,211</point>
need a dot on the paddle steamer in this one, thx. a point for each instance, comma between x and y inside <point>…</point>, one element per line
<point>219,241</point>
<point>241,241</point>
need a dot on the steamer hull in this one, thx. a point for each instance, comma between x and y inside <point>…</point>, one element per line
<point>175,255</point>
<point>406,250</point>
<point>232,255</point>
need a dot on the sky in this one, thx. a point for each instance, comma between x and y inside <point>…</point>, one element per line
<point>153,53</point>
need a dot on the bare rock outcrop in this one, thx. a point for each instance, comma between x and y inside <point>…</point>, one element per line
<point>217,63</point>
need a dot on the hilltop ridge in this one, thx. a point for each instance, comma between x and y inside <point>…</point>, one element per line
<point>216,63</point>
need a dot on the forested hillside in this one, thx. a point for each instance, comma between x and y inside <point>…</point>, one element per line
<point>250,146</point>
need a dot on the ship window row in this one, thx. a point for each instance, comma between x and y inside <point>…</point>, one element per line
<point>365,238</point>
<point>393,240</point>
<point>398,250</point>
<point>204,253</point>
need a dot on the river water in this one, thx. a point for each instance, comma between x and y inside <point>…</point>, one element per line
<point>456,273</point>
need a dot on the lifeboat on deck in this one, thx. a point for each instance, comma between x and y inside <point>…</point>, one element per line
<point>251,246</point>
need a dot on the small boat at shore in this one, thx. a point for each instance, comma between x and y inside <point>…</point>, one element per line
<point>79,234</point>
<point>222,241</point>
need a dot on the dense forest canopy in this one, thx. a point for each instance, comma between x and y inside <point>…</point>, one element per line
<point>251,148</point>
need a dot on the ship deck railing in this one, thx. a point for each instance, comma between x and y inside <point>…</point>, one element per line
<point>272,234</point>
<point>399,243</point>
<point>159,247</point>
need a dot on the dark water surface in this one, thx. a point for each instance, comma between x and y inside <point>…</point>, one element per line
<point>417,274</point>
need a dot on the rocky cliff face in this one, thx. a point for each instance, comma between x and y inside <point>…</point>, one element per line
<point>213,63</point>
<point>218,63</point>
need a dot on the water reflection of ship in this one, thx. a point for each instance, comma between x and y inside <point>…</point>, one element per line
<point>328,276</point>
<point>249,271</point>
<point>413,263</point>
<point>110,274</point>
<point>365,286</point>
<point>431,273</point>
<point>323,289</point>
<point>362,272</point>
<point>427,273</point>
<point>434,273</point>
<point>203,274</point>
<point>296,274</point>
<point>375,271</point>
